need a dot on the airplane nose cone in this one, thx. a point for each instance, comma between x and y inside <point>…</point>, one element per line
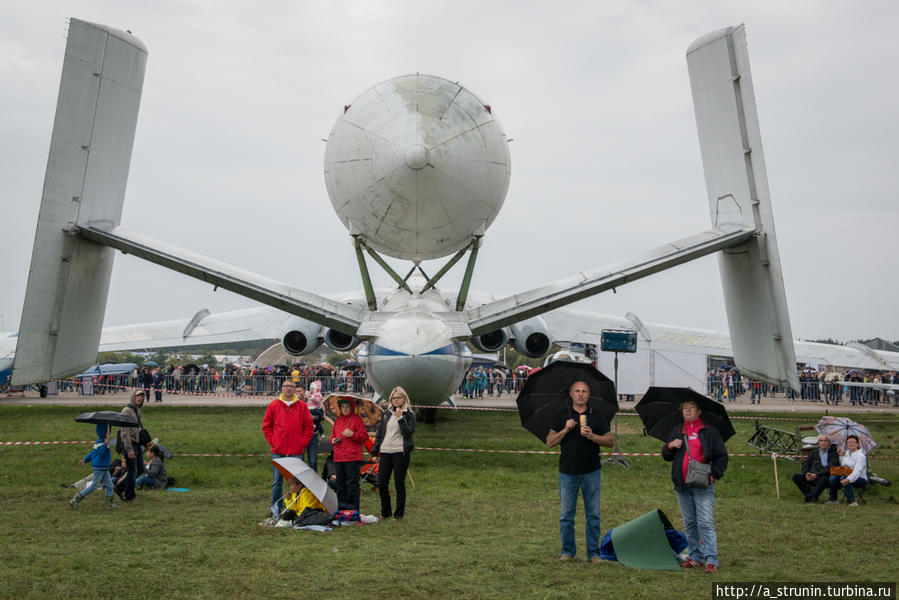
<point>417,157</point>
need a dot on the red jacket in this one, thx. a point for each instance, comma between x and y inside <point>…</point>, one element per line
<point>287,429</point>
<point>348,449</point>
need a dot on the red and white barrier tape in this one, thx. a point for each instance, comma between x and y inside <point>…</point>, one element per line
<point>482,450</point>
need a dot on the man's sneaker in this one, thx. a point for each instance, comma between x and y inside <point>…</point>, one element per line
<point>690,564</point>
<point>711,569</point>
<point>596,559</point>
<point>832,502</point>
<point>76,500</point>
<point>853,504</point>
<point>566,557</point>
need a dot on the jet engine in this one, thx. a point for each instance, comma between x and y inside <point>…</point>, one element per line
<point>492,341</point>
<point>301,336</point>
<point>340,341</point>
<point>531,337</point>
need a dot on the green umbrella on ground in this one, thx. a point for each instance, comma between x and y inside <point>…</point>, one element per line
<point>643,543</point>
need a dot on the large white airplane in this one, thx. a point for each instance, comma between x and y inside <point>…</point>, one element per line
<point>417,168</point>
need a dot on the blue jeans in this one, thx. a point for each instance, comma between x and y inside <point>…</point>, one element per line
<point>848,490</point>
<point>145,480</point>
<point>278,482</point>
<point>100,476</point>
<point>697,507</point>
<point>589,484</point>
<point>311,455</point>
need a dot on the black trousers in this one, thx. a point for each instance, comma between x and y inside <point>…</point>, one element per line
<point>130,476</point>
<point>347,484</point>
<point>398,464</point>
<point>810,489</point>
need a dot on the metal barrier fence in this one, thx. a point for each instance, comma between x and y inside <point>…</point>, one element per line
<point>251,385</point>
<point>831,392</point>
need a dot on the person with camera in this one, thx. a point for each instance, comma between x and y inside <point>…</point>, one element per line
<point>694,440</point>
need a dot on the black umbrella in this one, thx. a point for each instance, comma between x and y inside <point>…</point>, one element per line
<point>107,416</point>
<point>660,411</point>
<point>545,393</point>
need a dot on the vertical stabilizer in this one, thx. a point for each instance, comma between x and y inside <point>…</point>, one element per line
<point>87,170</point>
<point>737,185</point>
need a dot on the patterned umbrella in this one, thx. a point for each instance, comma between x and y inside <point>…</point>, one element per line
<point>840,428</point>
<point>368,411</point>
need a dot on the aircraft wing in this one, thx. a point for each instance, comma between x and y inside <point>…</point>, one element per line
<point>585,326</point>
<point>308,305</point>
<point>512,309</point>
<point>232,326</point>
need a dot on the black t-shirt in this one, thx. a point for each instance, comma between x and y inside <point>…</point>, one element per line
<point>579,455</point>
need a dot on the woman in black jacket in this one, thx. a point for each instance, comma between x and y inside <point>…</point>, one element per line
<point>697,504</point>
<point>393,444</point>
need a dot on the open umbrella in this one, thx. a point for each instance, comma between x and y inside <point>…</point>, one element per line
<point>368,411</point>
<point>545,393</point>
<point>151,363</point>
<point>295,467</point>
<point>107,416</point>
<point>840,428</point>
<point>660,411</point>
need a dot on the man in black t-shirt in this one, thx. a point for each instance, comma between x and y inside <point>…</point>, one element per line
<point>581,431</point>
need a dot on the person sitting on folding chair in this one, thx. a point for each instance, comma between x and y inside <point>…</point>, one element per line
<point>815,473</point>
<point>855,459</point>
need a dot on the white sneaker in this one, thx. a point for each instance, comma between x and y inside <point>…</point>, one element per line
<point>853,504</point>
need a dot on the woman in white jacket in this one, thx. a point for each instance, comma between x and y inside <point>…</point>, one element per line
<point>855,459</point>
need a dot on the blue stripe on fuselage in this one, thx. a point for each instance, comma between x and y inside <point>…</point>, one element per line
<point>376,350</point>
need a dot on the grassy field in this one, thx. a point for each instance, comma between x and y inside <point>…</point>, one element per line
<point>478,525</point>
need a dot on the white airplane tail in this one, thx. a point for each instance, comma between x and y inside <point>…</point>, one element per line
<point>87,170</point>
<point>737,185</point>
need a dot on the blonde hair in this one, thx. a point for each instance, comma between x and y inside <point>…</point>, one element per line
<point>407,405</point>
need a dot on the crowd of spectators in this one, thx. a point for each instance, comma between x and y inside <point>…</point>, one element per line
<point>727,384</point>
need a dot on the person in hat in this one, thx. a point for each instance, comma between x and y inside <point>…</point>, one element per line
<point>581,431</point>
<point>347,438</point>
<point>98,458</point>
<point>130,441</point>
<point>287,427</point>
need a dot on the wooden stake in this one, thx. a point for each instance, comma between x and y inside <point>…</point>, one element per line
<point>776,481</point>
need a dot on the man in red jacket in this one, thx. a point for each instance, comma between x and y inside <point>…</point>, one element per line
<point>287,427</point>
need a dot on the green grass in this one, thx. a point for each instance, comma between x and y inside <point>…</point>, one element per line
<point>478,525</point>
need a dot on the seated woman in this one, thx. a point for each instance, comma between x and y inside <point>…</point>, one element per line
<point>855,459</point>
<point>154,476</point>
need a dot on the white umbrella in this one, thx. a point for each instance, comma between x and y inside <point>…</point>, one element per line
<point>294,467</point>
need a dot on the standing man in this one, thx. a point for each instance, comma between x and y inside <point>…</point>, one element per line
<point>287,427</point>
<point>813,478</point>
<point>130,437</point>
<point>581,431</point>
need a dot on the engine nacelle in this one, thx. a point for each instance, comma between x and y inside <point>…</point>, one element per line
<point>301,336</point>
<point>342,342</point>
<point>492,341</point>
<point>531,337</point>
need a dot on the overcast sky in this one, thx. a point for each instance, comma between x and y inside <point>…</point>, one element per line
<point>605,160</point>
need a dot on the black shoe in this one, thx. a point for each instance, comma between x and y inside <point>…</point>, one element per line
<point>809,499</point>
